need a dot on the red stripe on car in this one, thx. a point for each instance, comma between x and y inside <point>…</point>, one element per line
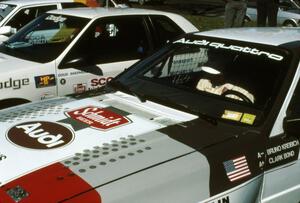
<point>54,183</point>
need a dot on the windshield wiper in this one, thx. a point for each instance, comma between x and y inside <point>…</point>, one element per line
<point>120,86</point>
<point>201,115</point>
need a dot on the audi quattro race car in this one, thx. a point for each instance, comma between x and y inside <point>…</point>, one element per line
<point>74,50</point>
<point>211,117</point>
<point>14,14</point>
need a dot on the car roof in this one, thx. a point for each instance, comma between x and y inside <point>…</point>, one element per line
<point>32,2</point>
<point>87,12</point>
<point>271,36</point>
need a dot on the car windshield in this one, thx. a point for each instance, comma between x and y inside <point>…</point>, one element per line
<point>212,77</point>
<point>45,38</point>
<point>5,9</point>
<point>297,2</point>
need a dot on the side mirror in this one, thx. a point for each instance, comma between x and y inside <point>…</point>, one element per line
<point>6,30</point>
<point>74,63</point>
<point>291,126</point>
<point>82,64</point>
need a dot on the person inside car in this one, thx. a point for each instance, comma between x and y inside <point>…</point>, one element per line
<point>215,81</point>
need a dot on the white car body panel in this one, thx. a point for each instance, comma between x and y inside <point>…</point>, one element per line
<point>283,16</point>
<point>80,142</point>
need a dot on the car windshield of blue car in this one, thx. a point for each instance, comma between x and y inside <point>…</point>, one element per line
<point>45,38</point>
<point>5,9</point>
<point>213,77</point>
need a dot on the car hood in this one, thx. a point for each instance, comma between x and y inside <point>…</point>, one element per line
<point>98,140</point>
<point>14,64</point>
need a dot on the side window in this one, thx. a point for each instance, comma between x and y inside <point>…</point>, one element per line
<point>44,9</point>
<point>26,15</point>
<point>165,29</point>
<point>72,5</point>
<point>112,39</point>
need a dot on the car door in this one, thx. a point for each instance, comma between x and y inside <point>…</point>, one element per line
<point>282,175</point>
<point>27,14</point>
<point>107,47</point>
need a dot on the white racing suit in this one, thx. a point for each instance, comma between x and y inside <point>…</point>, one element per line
<point>206,85</point>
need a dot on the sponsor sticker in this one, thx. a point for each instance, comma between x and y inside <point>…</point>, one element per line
<point>2,157</point>
<point>98,118</point>
<point>56,19</point>
<point>236,168</point>
<point>80,88</point>
<point>3,6</point>
<point>224,199</point>
<point>63,81</point>
<point>17,193</point>
<point>98,82</point>
<point>217,45</point>
<point>78,72</point>
<point>14,83</point>
<point>248,118</point>
<point>40,135</point>
<point>112,30</point>
<point>45,81</point>
<point>232,115</point>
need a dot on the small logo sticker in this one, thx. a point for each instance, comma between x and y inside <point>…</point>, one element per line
<point>45,81</point>
<point>17,193</point>
<point>248,118</point>
<point>232,115</point>
<point>80,88</point>
<point>2,157</point>
<point>40,135</point>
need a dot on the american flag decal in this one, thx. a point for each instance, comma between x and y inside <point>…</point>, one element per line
<point>237,168</point>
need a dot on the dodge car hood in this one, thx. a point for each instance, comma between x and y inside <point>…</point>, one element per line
<point>81,135</point>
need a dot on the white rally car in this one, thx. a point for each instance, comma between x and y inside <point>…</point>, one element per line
<point>14,14</point>
<point>288,13</point>
<point>213,117</point>
<point>74,50</point>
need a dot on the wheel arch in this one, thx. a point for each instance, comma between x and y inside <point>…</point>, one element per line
<point>5,103</point>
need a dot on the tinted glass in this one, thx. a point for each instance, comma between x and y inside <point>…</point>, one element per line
<point>26,15</point>
<point>216,78</point>
<point>112,39</point>
<point>5,9</point>
<point>165,28</point>
<point>45,38</point>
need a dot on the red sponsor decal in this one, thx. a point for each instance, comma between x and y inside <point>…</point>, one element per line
<point>54,183</point>
<point>100,81</point>
<point>99,118</point>
<point>79,88</point>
